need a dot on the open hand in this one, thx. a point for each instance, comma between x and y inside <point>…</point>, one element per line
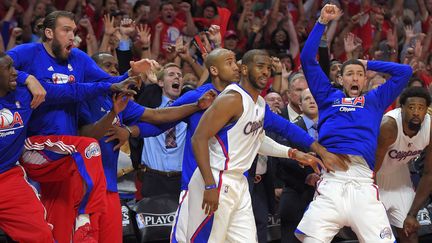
<point>410,225</point>
<point>117,133</point>
<point>210,201</point>
<point>120,101</point>
<point>143,66</point>
<point>125,86</point>
<point>349,43</point>
<point>207,99</point>
<point>335,161</point>
<point>276,64</point>
<point>127,27</point>
<point>109,25</point>
<point>144,35</point>
<point>214,34</point>
<point>309,160</point>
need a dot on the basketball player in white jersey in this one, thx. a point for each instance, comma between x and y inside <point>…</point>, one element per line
<point>225,143</point>
<point>404,133</point>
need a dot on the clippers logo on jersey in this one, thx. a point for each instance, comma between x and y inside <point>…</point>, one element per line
<point>349,104</point>
<point>253,127</point>
<point>386,233</point>
<point>401,155</point>
<point>60,78</point>
<point>9,122</point>
<point>93,150</point>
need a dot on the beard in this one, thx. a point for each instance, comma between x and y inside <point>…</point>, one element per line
<point>58,51</point>
<point>414,126</point>
<point>254,81</point>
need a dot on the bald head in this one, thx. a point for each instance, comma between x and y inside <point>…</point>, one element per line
<point>222,66</point>
<point>107,62</point>
<point>98,57</point>
<point>214,56</point>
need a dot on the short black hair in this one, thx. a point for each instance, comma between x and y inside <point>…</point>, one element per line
<point>351,62</point>
<point>429,59</point>
<point>163,3</point>
<point>416,79</point>
<point>282,55</point>
<point>415,92</point>
<point>50,20</point>
<point>334,62</point>
<point>140,3</point>
<point>248,57</point>
<point>210,4</point>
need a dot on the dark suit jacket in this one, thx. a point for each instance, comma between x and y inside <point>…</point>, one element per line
<point>124,57</point>
<point>150,96</point>
<point>287,171</point>
<point>268,183</point>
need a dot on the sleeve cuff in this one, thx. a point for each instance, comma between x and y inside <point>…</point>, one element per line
<point>124,45</point>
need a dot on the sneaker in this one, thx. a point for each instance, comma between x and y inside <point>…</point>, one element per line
<point>84,234</point>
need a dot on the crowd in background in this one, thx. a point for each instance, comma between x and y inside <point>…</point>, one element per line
<point>398,31</point>
<point>183,32</point>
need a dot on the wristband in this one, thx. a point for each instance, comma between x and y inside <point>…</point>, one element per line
<point>278,73</point>
<point>291,153</point>
<point>128,129</point>
<point>145,48</point>
<point>210,187</point>
<point>322,21</point>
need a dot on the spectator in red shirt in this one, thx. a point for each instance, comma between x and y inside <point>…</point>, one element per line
<point>171,27</point>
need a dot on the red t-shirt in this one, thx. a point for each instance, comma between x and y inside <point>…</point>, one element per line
<point>425,28</point>
<point>427,79</point>
<point>169,33</point>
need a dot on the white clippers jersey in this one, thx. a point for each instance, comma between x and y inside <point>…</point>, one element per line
<point>404,149</point>
<point>236,145</point>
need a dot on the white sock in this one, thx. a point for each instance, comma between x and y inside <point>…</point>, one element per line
<point>81,220</point>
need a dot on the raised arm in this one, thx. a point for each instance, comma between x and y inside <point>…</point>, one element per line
<point>226,108</point>
<point>190,29</point>
<point>77,92</point>
<point>169,114</point>
<point>318,82</point>
<point>94,73</point>
<point>400,75</point>
<point>387,137</point>
<point>172,114</point>
<point>292,33</point>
